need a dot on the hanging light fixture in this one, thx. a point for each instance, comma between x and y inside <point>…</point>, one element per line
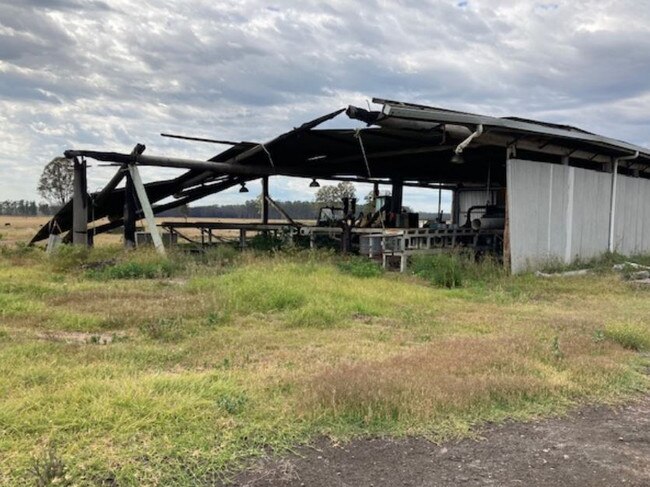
<point>314,184</point>
<point>243,188</point>
<point>457,158</point>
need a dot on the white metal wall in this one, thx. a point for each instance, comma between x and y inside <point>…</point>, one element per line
<point>632,216</point>
<point>560,213</point>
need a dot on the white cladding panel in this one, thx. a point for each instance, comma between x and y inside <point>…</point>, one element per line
<point>591,204</point>
<point>632,216</point>
<point>562,213</point>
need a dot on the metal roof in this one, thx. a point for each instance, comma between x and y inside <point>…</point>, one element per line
<point>518,129</point>
<point>412,143</point>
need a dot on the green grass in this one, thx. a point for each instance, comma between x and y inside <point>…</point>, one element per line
<point>634,336</point>
<point>223,357</point>
<point>456,269</point>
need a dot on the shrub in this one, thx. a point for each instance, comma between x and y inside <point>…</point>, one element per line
<point>633,336</point>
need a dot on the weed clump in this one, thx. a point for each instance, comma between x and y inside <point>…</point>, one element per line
<point>49,469</point>
<point>217,318</point>
<point>454,270</point>
<point>164,329</point>
<point>232,404</point>
<point>633,336</point>
<point>154,269</point>
<point>360,267</point>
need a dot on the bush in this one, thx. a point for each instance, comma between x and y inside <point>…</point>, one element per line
<point>633,336</point>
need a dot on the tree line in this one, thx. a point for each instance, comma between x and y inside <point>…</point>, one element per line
<point>301,210</point>
<point>27,208</point>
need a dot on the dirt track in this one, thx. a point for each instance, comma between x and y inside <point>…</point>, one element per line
<point>595,446</point>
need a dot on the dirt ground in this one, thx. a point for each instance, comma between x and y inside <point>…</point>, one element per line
<point>594,446</point>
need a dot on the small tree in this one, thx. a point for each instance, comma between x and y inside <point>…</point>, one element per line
<point>184,210</point>
<point>332,195</point>
<point>55,184</point>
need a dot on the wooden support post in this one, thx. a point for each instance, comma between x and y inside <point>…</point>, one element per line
<point>130,199</point>
<point>396,202</point>
<point>80,204</point>
<point>396,196</point>
<point>146,209</point>
<point>507,260</point>
<point>265,203</point>
<point>346,239</point>
<point>242,238</point>
<point>129,213</point>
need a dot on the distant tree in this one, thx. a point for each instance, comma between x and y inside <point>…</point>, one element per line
<point>55,184</point>
<point>184,210</point>
<point>332,195</point>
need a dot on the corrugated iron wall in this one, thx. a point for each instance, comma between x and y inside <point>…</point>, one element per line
<point>632,216</point>
<point>561,213</point>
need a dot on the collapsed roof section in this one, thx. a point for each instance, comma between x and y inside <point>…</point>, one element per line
<point>413,144</point>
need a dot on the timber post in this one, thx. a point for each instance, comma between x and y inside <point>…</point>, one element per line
<point>80,204</point>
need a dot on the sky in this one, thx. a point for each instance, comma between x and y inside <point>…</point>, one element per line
<point>106,74</point>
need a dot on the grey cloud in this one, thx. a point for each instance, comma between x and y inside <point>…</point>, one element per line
<point>109,74</point>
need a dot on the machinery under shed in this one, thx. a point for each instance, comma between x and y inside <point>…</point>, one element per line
<point>527,191</point>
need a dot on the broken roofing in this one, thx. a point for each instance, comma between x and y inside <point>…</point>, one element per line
<point>402,141</point>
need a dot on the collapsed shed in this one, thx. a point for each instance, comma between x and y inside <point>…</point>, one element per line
<point>533,192</point>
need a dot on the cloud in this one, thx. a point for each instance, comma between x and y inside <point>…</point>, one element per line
<point>110,74</point>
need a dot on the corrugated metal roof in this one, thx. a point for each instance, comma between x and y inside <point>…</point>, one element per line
<point>514,126</point>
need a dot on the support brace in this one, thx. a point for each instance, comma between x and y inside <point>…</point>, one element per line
<point>146,209</point>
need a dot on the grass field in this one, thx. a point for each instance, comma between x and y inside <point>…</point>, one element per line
<point>127,369</point>
<point>20,229</point>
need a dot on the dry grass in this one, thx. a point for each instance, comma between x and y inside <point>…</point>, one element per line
<point>465,380</point>
<point>20,229</point>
